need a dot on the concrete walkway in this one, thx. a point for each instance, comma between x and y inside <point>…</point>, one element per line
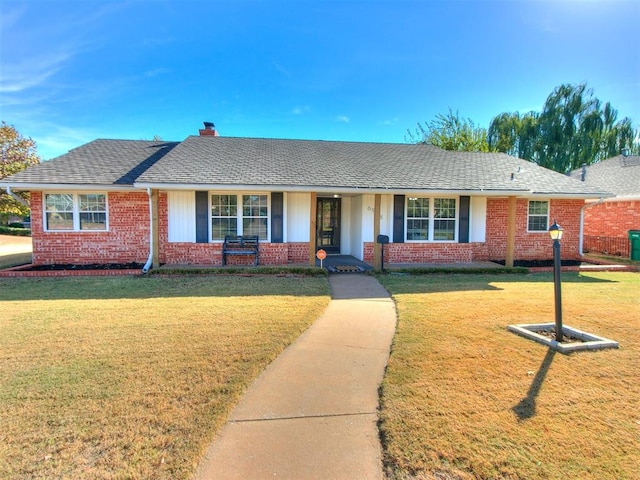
<point>312,414</point>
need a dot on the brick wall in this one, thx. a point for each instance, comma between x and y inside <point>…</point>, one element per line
<point>612,219</point>
<point>529,246</point>
<point>535,245</point>
<point>429,252</point>
<point>127,239</point>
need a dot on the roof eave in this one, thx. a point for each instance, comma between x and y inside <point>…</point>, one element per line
<point>66,186</point>
<point>325,189</point>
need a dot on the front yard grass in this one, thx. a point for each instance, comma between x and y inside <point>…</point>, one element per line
<point>463,398</point>
<point>113,378</point>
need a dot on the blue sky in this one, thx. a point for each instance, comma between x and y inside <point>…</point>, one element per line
<point>71,72</point>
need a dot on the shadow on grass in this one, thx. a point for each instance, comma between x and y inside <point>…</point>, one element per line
<point>453,282</point>
<point>526,408</point>
<point>15,260</point>
<point>138,287</point>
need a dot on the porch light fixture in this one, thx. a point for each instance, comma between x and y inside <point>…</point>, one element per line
<point>555,232</point>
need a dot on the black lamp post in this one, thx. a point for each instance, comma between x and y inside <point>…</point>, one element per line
<point>555,231</point>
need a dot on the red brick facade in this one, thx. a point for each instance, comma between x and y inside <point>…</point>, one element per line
<point>127,239</point>
<point>612,218</point>
<point>533,245</point>
<point>607,225</point>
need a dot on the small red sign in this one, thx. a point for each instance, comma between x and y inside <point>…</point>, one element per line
<point>321,254</point>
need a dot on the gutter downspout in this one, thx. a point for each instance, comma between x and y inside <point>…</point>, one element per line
<point>585,206</point>
<point>147,266</point>
<point>17,198</point>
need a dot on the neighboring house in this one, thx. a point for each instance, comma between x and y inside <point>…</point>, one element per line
<point>607,223</point>
<point>174,202</point>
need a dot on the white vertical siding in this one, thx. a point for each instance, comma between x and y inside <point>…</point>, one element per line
<point>386,216</point>
<point>367,213</point>
<point>478,219</point>
<point>297,209</point>
<point>345,226</point>
<point>356,228</point>
<point>182,216</point>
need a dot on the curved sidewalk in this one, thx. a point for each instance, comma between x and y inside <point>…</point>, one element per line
<point>313,412</point>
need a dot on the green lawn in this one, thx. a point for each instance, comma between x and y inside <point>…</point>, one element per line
<point>463,398</point>
<point>114,378</point>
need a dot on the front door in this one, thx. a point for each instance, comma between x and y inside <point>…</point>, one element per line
<point>328,225</point>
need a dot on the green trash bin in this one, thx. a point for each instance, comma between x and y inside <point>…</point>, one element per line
<point>634,240</point>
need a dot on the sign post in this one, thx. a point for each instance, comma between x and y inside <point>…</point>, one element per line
<point>321,254</point>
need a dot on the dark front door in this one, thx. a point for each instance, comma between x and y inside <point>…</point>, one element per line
<point>328,225</point>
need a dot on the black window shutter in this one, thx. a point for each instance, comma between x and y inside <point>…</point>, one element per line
<point>277,209</point>
<point>202,217</point>
<point>463,225</point>
<point>398,219</point>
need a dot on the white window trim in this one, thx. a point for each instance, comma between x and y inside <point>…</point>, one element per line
<point>239,215</point>
<point>432,218</point>
<point>76,212</point>
<point>548,214</point>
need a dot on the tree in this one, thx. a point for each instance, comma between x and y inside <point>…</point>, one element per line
<point>450,132</point>
<point>16,154</point>
<point>573,128</point>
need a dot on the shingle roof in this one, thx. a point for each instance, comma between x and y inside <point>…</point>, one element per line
<point>620,175</point>
<point>225,161</point>
<point>351,165</point>
<point>101,162</point>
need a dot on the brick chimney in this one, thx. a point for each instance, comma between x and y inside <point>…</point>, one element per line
<point>208,130</point>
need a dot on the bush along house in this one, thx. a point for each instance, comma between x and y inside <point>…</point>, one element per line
<point>154,202</point>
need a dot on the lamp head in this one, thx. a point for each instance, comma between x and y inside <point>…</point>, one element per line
<point>555,231</point>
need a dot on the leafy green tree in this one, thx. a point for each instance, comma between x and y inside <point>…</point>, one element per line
<point>573,128</point>
<point>451,132</point>
<point>16,154</point>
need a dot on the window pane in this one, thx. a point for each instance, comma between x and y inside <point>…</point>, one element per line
<point>537,224</point>
<point>418,207</point>
<point>224,205</point>
<point>254,205</point>
<point>538,207</point>
<point>418,229</point>
<point>93,221</point>
<point>444,208</point>
<point>93,203</point>
<point>444,229</point>
<point>221,227</point>
<point>59,221</point>
<point>59,202</point>
<point>255,226</point>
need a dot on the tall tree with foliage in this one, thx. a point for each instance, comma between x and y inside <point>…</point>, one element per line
<point>573,128</point>
<point>16,154</point>
<point>451,132</point>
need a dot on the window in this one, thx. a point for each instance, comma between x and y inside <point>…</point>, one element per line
<point>75,211</point>
<point>431,219</point>
<point>538,216</point>
<point>224,216</point>
<point>251,219</point>
<point>444,223</point>
<point>418,219</point>
<point>255,215</point>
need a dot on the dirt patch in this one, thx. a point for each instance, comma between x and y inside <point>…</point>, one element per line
<point>540,263</point>
<point>93,266</point>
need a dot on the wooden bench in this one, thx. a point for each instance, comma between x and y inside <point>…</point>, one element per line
<point>240,245</point>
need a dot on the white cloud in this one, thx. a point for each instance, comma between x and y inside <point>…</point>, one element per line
<point>300,110</point>
<point>342,118</point>
<point>18,77</point>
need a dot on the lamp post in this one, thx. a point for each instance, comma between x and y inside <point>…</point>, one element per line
<point>555,231</point>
